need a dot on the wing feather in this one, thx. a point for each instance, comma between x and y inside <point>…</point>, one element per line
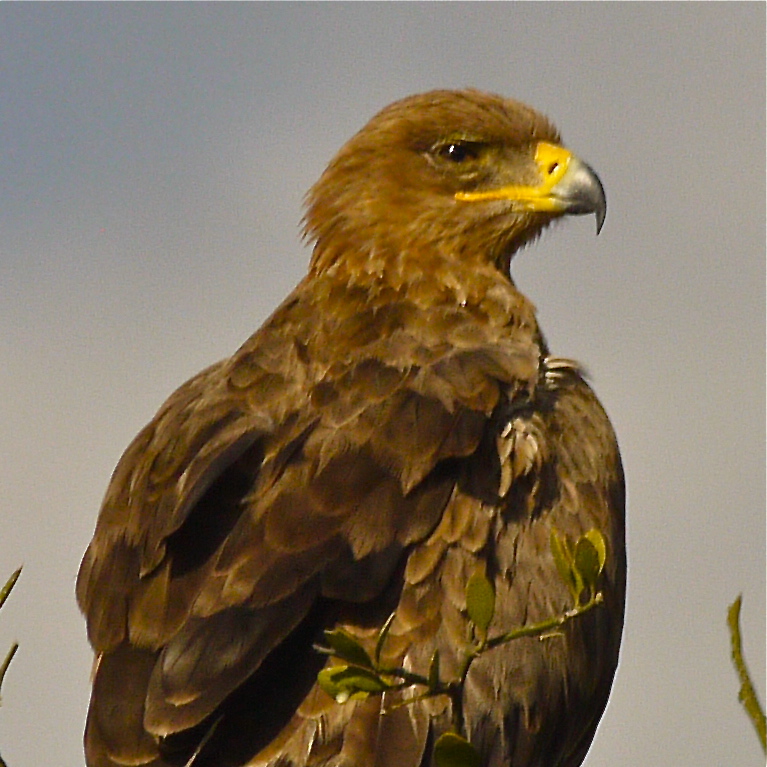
<point>278,477</point>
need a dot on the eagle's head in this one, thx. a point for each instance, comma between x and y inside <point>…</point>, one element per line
<point>463,175</point>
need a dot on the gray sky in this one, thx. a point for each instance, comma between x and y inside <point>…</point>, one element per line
<point>153,160</point>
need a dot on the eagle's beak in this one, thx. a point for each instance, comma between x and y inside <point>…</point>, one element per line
<point>568,187</point>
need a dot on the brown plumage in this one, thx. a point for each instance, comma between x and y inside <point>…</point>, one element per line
<point>396,423</point>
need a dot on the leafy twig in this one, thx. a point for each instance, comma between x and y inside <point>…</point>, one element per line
<point>544,627</point>
<point>360,676</point>
<point>747,694</point>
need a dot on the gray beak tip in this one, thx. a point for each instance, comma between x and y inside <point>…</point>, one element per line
<point>600,216</point>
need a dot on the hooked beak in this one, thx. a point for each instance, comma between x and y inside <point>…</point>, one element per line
<point>568,187</point>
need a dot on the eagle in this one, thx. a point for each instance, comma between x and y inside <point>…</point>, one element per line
<point>397,425</point>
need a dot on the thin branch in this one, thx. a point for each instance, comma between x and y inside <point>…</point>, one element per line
<point>9,584</point>
<point>544,627</point>
<point>4,593</point>
<point>747,694</point>
<point>7,662</point>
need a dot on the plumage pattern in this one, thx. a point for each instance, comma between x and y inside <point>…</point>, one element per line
<point>395,424</point>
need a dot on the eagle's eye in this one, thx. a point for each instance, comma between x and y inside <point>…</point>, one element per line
<point>458,151</point>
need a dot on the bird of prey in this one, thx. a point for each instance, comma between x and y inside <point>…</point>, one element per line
<point>395,426</point>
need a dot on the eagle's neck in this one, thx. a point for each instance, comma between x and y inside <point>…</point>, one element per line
<point>432,282</point>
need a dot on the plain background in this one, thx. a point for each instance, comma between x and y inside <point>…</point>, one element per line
<point>152,165</point>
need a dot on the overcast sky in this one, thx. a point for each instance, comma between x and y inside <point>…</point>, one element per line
<point>153,160</point>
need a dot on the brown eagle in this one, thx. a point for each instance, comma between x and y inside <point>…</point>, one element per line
<point>397,424</point>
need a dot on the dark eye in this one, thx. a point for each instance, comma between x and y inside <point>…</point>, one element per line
<point>458,151</point>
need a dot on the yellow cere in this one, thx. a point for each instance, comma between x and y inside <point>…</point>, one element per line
<point>552,162</point>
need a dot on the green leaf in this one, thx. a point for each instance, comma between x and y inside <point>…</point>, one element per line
<point>599,543</point>
<point>564,560</point>
<point>326,681</point>
<point>587,563</point>
<point>480,601</point>
<point>434,671</point>
<point>347,648</point>
<point>363,680</point>
<point>345,682</point>
<point>451,750</point>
